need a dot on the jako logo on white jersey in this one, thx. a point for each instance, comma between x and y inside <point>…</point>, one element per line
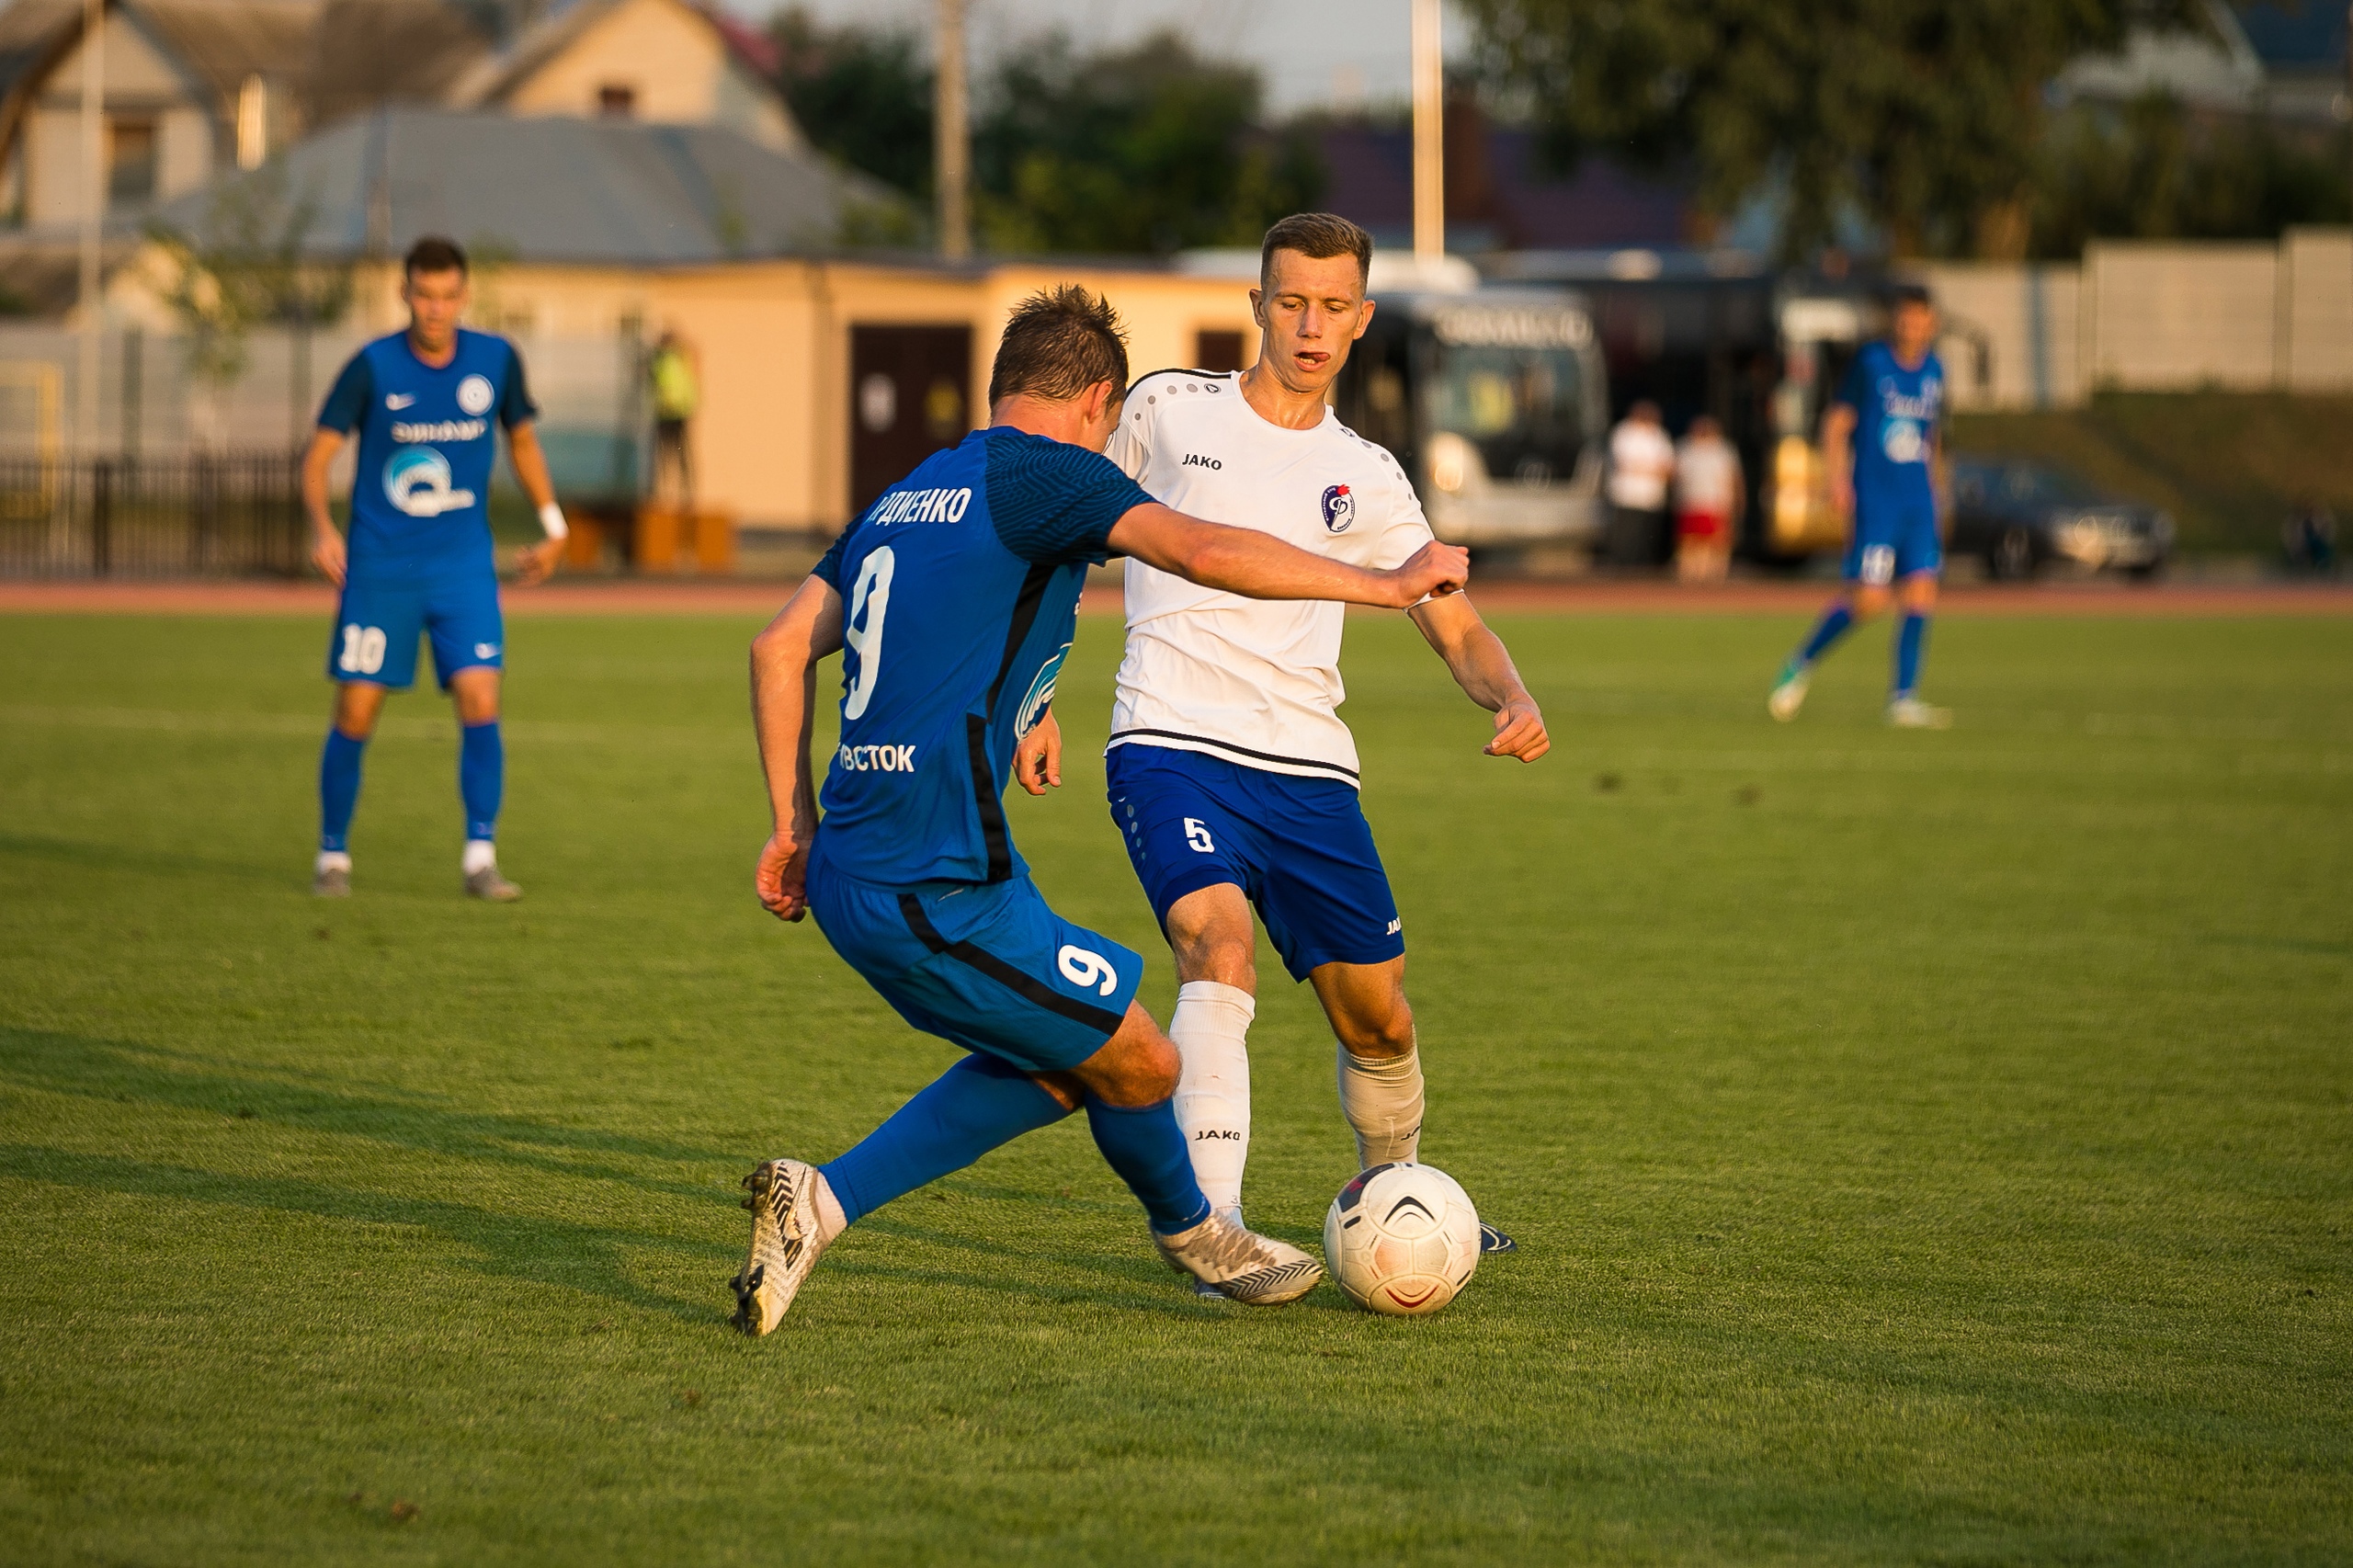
<point>1195,460</point>
<point>443,430</point>
<point>922,507</point>
<point>877,759</point>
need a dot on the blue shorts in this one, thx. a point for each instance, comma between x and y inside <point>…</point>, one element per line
<point>987,965</point>
<point>376,626</point>
<point>1895,538</point>
<point>1299,848</point>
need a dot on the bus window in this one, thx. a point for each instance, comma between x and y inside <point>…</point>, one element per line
<point>1521,407</point>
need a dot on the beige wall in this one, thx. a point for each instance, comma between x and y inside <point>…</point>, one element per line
<point>772,440</point>
<point>2316,292</point>
<point>2175,317</point>
<point>138,82</point>
<point>670,57</point>
<point>2023,320</point>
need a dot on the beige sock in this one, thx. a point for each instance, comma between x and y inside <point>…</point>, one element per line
<point>1383,1099</point>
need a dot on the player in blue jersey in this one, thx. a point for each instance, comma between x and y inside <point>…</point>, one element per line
<point>956,598</point>
<point>1881,441</point>
<point>426,404</point>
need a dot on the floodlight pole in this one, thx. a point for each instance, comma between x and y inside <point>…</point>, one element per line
<point>94,208</point>
<point>952,132</point>
<point>1429,134</point>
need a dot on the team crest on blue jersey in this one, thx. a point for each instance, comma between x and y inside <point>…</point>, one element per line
<point>1339,509</point>
<point>417,481</point>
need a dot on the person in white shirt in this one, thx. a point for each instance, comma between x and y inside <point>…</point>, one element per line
<point>1642,466</point>
<point>1232,779</point>
<point>1710,496</point>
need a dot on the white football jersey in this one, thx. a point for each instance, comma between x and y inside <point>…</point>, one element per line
<point>1255,681</point>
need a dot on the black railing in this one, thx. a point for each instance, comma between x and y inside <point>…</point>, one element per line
<point>202,515</point>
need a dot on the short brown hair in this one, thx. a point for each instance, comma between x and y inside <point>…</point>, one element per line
<point>434,252</point>
<point>1058,343</point>
<point>1319,235</point>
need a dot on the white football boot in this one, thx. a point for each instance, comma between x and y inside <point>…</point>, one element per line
<point>1202,1288</point>
<point>1789,693</point>
<point>784,1243</point>
<point>1911,713</point>
<point>1242,1265</point>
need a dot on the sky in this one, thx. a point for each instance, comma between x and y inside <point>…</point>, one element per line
<point>1309,52</point>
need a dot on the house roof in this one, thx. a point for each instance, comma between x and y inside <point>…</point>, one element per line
<point>588,191</point>
<point>562,25</point>
<point>363,52</point>
<point>224,41</point>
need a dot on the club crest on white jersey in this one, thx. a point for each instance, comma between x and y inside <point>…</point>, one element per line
<point>1339,509</point>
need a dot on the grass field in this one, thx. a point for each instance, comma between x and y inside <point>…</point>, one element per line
<point>1925,1148</point>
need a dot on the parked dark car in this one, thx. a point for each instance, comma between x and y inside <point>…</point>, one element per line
<point>2017,517</point>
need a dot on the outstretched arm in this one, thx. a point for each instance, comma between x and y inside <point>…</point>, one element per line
<point>1260,567</point>
<point>784,699</point>
<point>1482,667</point>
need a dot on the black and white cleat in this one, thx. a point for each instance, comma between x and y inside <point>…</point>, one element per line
<point>1491,1240</point>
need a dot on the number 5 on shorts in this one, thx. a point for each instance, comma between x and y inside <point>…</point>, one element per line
<point>1197,834</point>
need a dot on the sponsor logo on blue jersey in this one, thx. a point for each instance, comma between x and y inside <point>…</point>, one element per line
<point>877,759</point>
<point>1339,509</point>
<point>417,481</point>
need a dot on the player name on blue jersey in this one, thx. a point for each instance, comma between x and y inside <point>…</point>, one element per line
<point>960,591</point>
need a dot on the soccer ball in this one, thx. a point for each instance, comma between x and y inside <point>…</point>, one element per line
<point>1402,1239</point>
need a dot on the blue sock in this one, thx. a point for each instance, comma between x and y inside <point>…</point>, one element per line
<point>1910,639</point>
<point>482,776</point>
<point>1832,627</point>
<point>338,789</point>
<point>975,1106</point>
<point>1147,1148</point>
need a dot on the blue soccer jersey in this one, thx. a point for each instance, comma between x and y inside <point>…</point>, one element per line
<point>1896,412</point>
<point>960,589</point>
<point>420,492</point>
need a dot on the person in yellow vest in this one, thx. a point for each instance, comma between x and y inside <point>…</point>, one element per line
<point>675,395</point>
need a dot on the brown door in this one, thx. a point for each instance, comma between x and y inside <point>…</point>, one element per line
<point>907,395</point>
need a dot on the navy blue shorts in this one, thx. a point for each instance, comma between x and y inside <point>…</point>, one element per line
<point>1299,848</point>
<point>376,626</point>
<point>987,965</point>
<point>1895,538</point>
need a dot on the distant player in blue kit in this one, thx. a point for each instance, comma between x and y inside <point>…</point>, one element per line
<point>956,598</point>
<point>1880,440</point>
<point>428,403</point>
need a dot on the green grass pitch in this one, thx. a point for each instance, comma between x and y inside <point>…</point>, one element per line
<point>1925,1148</point>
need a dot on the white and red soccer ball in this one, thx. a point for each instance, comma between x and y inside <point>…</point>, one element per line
<point>1402,1239</point>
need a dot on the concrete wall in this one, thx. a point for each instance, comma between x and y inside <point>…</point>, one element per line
<point>2152,317</point>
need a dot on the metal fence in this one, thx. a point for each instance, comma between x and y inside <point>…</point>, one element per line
<point>200,515</point>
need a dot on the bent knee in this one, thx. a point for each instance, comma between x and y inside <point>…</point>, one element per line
<point>1388,1035</point>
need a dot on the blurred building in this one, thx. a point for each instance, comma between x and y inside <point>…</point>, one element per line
<point>2282,58</point>
<point>197,87</point>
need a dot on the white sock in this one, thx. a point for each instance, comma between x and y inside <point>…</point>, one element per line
<point>1383,1099</point>
<point>831,1220</point>
<point>480,856</point>
<point>333,860</point>
<point>1211,1027</point>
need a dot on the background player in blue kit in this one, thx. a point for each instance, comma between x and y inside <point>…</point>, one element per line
<point>1880,440</point>
<point>420,562</point>
<point>956,598</point>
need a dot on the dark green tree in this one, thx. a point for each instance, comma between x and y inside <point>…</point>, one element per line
<point>1922,115</point>
<point>1151,149</point>
<point>862,95</point>
<point>2153,170</point>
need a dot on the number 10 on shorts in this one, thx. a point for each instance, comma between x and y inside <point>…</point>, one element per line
<point>363,650</point>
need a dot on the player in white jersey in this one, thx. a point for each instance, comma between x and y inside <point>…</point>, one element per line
<point>1232,779</point>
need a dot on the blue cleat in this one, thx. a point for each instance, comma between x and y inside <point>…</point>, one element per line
<point>1493,1240</point>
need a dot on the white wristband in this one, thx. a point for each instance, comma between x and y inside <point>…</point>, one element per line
<point>551,520</point>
